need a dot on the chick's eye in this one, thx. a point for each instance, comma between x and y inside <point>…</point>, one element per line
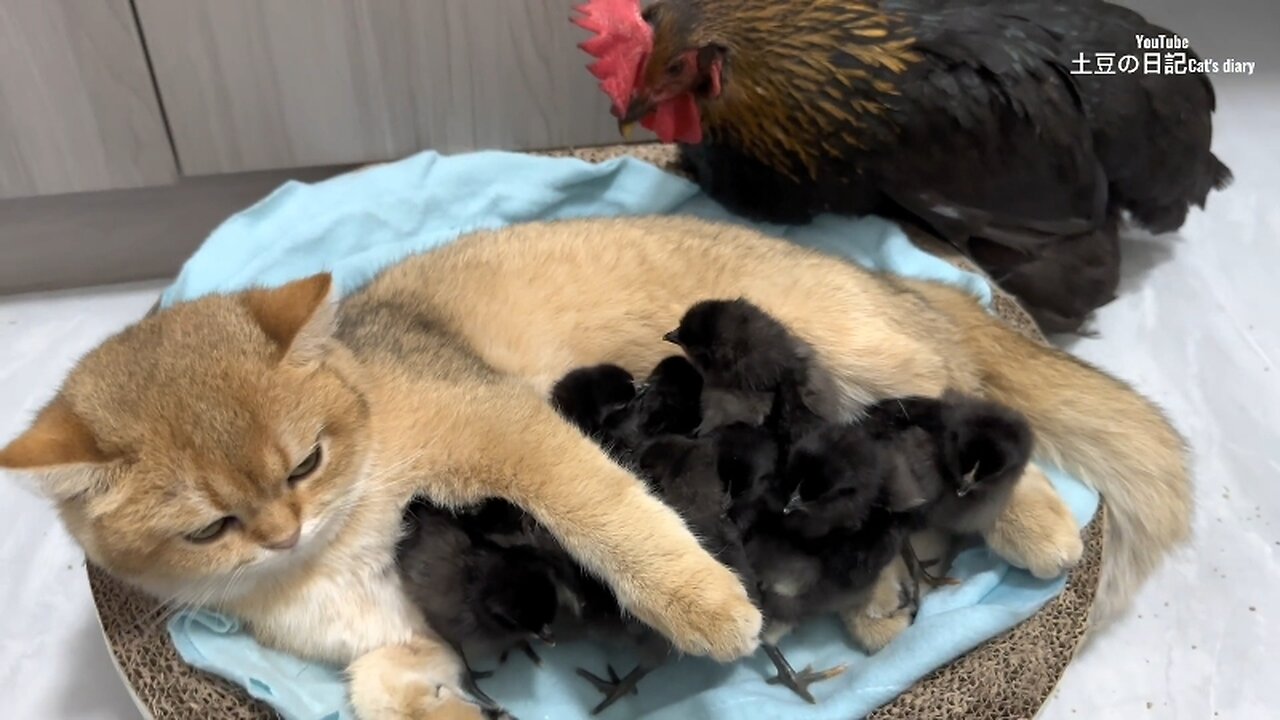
<point>305,468</point>
<point>212,531</point>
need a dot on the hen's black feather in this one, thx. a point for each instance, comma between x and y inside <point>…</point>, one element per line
<point>967,117</point>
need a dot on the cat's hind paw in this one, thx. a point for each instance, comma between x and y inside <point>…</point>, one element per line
<point>1037,531</point>
<point>890,609</point>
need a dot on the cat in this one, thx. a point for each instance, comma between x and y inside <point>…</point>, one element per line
<point>433,379</point>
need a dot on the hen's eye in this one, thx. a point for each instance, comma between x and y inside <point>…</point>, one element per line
<point>306,467</point>
<point>212,531</point>
<point>676,68</point>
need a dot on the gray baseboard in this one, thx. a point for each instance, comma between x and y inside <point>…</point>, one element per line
<point>62,241</point>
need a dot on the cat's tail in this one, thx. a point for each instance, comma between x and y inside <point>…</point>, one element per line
<point>1100,430</point>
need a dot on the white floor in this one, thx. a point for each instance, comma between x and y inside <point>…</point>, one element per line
<point>1195,329</point>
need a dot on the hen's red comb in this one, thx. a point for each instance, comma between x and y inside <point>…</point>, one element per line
<point>620,42</point>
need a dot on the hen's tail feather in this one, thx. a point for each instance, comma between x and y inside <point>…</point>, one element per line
<point>1220,173</point>
<point>1168,215</point>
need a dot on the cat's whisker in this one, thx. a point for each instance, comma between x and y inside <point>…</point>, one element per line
<point>158,614</point>
<point>208,588</point>
<point>172,605</point>
<point>230,585</point>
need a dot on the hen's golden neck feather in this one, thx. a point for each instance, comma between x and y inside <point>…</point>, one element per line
<point>801,76</point>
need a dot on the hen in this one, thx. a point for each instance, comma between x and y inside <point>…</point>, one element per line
<point>971,118</point>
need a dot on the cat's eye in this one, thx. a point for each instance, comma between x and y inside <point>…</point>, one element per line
<point>212,531</point>
<point>305,468</point>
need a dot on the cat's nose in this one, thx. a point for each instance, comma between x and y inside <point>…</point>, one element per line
<point>285,542</point>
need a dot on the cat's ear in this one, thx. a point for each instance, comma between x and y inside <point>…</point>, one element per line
<point>58,450</point>
<point>298,316</point>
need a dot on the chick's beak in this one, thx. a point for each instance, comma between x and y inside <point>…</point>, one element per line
<point>672,337</point>
<point>546,636</point>
<point>794,504</point>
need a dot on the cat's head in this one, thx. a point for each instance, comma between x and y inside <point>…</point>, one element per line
<point>217,439</point>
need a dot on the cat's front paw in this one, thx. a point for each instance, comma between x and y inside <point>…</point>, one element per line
<point>1037,531</point>
<point>419,681</point>
<point>703,609</point>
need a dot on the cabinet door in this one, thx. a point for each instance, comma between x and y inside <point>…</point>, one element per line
<point>78,110</point>
<point>249,85</point>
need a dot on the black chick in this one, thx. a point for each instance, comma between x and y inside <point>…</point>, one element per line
<point>480,596</point>
<point>666,403</point>
<point>587,396</point>
<point>744,355</point>
<point>748,468</point>
<point>699,478</point>
<point>974,448</point>
<point>961,455</point>
<point>848,503</point>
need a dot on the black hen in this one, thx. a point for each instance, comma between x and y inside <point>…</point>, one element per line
<point>969,117</point>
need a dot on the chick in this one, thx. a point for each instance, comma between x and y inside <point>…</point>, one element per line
<point>667,403</point>
<point>963,453</point>
<point>748,468</point>
<point>701,478</point>
<point>587,396</point>
<point>848,503</point>
<point>744,354</point>
<point>975,449</point>
<point>479,596</point>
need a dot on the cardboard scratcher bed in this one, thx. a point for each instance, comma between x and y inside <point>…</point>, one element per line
<point>1009,676</point>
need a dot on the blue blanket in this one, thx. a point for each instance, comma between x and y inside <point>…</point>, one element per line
<point>356,224</point>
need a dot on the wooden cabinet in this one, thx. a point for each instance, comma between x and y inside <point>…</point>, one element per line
<point>78,110</point>
<point>140,97</point>
<point>249,84</point>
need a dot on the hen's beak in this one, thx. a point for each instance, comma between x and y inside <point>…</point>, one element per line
<point>639,106</point>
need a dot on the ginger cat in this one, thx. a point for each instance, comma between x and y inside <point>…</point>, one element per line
<point>253,452</point>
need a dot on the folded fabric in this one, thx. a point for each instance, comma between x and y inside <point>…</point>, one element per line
<point>355,225</point>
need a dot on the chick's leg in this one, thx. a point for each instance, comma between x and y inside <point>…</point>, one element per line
<point>470,678</point>
<point>616,688</point>
<point>797,682</point>
<point>524,647</point>
<point>923,551</point>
